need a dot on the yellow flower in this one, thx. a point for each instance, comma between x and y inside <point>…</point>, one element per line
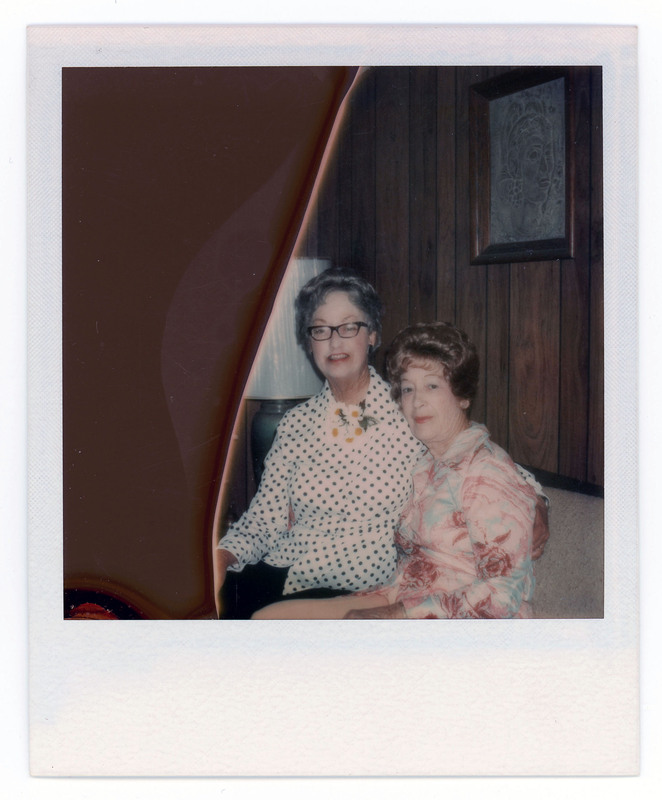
<point>355,413</point>
<point>337,412</point>
<point>357,431</point>
<point>334,431</point>
<point>351,439</point>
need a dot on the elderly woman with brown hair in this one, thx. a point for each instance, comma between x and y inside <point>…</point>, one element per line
<point>465,539</point>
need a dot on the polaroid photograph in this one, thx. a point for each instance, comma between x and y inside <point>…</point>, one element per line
<point>250,251</point>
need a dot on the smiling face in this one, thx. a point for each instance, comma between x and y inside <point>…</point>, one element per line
<point>435,415</point>
<point>341,361</point>
<point>531,157</point>
<point>537,166</point>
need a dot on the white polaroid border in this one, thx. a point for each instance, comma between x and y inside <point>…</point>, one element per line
<point>191,698</point>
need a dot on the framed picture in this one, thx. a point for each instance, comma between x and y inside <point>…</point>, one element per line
<point>522,166</point>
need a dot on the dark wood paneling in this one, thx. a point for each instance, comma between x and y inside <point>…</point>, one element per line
<point>362,131</point>
<point>344,158</point>
<point>471,302</point>
<point>392,182</point>
<point>574,341</point>
<point>574,344</point>
<point>596,448</point>
<point>329,205</point>
<point>471,285</point>
<point>446,182</point>
<point>309,243</point>
<point>534,364</point>
<point>422,194</point>
<point>595,466</point>
<point>497,352</point>
<point>497,341</point>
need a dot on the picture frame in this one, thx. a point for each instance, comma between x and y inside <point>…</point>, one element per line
<point>522,166</point>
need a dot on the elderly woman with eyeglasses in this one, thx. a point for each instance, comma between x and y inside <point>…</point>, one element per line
<point>338,475</point>
<point>467,537</point>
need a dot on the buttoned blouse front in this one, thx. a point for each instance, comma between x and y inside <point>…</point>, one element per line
<point>334,485</point>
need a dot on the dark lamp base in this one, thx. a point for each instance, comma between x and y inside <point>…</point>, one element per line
<point>263,430</point>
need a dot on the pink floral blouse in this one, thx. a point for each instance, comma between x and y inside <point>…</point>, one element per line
<point>465,537</point>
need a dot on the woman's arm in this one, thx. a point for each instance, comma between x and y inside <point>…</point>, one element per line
<point>257,531</point>
<point>394,611</point>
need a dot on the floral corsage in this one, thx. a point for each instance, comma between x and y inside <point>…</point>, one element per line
<point>348,423</point>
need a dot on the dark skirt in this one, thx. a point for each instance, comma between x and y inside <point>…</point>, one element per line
<point>257,586</point>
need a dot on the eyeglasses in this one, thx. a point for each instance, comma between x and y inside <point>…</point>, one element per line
<point>320,333</point>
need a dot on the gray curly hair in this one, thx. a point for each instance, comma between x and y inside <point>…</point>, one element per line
<point>313,294</point>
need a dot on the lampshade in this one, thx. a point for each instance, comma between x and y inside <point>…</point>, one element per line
<point>282,369</point>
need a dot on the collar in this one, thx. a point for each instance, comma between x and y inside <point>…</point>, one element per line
<point>465,443</point>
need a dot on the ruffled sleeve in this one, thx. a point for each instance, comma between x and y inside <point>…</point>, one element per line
<point>267,518</point>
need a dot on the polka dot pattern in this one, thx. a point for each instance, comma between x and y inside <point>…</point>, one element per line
<point>345,498</point>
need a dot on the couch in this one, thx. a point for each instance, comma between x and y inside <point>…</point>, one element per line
<point>570,573</point>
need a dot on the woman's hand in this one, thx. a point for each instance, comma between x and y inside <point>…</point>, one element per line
<point>394,611</point>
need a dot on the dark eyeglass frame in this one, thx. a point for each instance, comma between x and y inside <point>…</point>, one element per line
<point>337,329</point>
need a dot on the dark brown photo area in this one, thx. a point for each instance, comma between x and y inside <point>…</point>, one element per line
<point>183,193</point>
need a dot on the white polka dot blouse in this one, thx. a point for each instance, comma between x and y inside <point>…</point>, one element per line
<point>335,483</point>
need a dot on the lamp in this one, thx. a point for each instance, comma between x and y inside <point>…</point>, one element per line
<point>282,375</point>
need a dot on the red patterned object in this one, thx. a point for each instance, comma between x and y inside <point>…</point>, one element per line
<point>90,611</point>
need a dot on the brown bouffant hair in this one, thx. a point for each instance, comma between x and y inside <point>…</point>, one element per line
<point>437,343</point>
